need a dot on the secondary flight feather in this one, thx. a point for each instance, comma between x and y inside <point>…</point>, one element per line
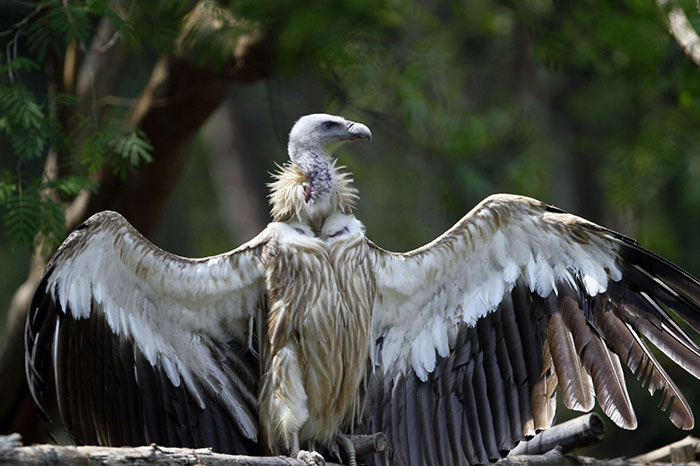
<point>310,331</point>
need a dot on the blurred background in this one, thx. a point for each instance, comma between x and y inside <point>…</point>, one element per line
<point>175,112</point>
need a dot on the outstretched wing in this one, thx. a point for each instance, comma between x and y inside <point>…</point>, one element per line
<point>475,330</point>
<point>144,346</point>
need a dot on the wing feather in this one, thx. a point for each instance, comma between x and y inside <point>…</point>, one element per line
<point>416,422</point>
<point>666,273</point>
<point>510,386</point>
<point>472,416</point>
<point>515,356</point>
<point>145,346</point>
<point>543,404</point>
<point>399,425</point>
<point>650,320</point>
<point>434,420</point>
<point>515,299</point>
<point>495,385</point>
<point>483,408</point>
<point>442,436</point>
<point>608,382</point>
<point>450,411</point>
<point>577,389</point>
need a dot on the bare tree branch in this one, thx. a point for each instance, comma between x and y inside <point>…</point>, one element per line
<point>664,454</point>
<point>12,452</point>
<point>101,71</point>
<point>150,455</point>
<point>557,458</point>
<point>681,29</point>
<point>579,432</point>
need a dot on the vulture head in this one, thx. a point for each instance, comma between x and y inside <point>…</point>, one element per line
<point>318,135</point>
<point>310,187</point>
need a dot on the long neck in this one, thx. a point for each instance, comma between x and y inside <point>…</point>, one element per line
<point>318,172</point>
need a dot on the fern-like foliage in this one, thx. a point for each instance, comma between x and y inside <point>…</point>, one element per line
<point>30,216</point>
<point>32,205</point>
<point>122,148</point>
<point>23,120</point>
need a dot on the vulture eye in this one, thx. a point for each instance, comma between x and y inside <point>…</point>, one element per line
<point>329,124</point>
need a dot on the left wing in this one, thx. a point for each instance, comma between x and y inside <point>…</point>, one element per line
<point>138,345</point>
<point>475,330</point>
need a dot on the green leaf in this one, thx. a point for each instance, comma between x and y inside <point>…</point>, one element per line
<point>7,186</point>
<point>20,63</point>
<point>27,144</point>
<point>52,226</point>
<point>38,34</point>
<point>72,185</point>
<point>94,150</point>
<point>31,218</point>
<point>64,100</point>
<point>21,106</point>
<point>22,218</point>
<point>133,146</point>
<point>71,22</point>
<point>23,121</point>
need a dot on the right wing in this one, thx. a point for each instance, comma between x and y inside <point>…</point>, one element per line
<point>476,329</point>
<point>144,346</point>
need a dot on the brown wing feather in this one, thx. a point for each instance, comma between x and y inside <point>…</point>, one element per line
<point>544,406</point>
<point>576,385</point>
<point>625,341</point>
<point>609,383</point>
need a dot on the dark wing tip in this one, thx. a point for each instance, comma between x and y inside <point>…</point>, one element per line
<point>42,318</point>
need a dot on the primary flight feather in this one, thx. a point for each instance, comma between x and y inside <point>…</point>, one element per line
<point>310,331</point>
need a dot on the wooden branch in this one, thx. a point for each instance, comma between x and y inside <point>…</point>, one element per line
<point>664,453</point>
<point>579,432</point>
<point>101,71</point>
<point>556,457</point>
<point>552,457</point>
<point>681,29</point>
<point>12,452</point>
<point>152,455</point>
<point>366,445</point>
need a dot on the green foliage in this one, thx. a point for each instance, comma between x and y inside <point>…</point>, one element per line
<point>19,63</point>
<point>71,185</point>
<point>210,33</point>
<point>317,30</point>
<point>23,121</point>
<point>63,22</point>
<point>30,217</point>
<point>7,186</point>
<point>122,148</point>
<point>31,205</point>
<point>132,146</point>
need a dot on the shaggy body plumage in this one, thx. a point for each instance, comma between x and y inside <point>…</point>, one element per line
<point>309,330</point>
<point>317,338</point>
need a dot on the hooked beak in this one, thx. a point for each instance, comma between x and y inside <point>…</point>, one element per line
<point>358,131</point>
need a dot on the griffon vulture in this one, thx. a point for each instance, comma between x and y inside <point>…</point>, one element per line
<point>310,331</point>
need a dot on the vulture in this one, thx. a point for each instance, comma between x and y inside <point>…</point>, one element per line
<point>310,333</point>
